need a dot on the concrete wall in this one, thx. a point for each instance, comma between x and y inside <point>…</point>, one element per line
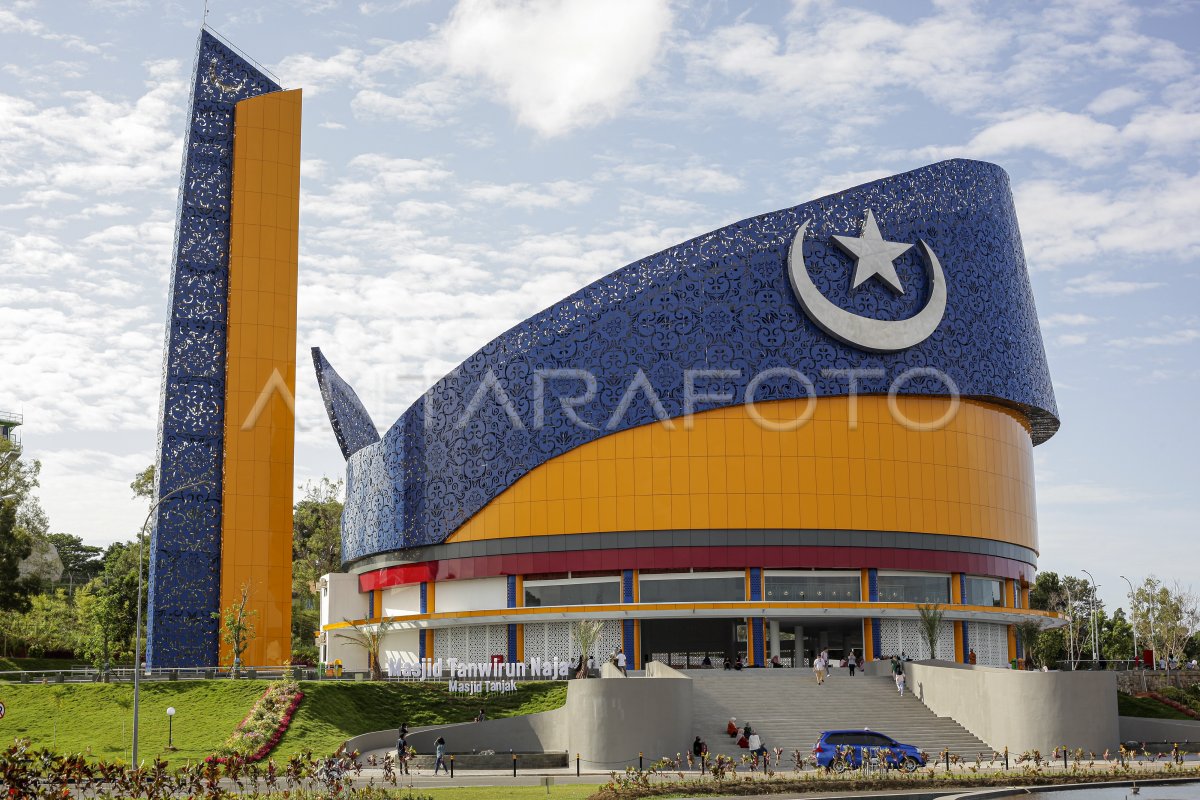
<point>607,721</point>
<point>1022,710</point>
<point>1137,681</point>
<point>399,647</point>
<point>1143,729</point>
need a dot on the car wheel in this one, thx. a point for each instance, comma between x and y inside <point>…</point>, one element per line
<point>839,765</point>
<point>909,764</point>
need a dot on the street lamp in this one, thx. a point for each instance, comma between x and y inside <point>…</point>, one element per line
<point>1070,626</point>
<point>1095,625</point>
<point>137,630</point>
<point>171,727</point>
<point>1132,622</point>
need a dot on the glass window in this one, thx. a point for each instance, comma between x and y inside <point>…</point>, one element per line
<point>693,590</point>
<point>984,592</point>
<point>914,589</point>
<point>813,588</point>
<point>575,593</point>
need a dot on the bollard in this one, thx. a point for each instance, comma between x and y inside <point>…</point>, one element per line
<point>639,761</point>
<point>947,761</point>
<point>451,766</point>
<point>514,765</point>
<point>577,765</point>
<point>1064,758</point>
<point>1006,759</point>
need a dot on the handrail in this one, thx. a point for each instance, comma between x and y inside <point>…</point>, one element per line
<point>12,416</point>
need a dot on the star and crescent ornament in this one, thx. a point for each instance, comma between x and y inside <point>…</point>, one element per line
<point>874,256</point>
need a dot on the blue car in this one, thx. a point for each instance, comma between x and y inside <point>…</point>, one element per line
<point>843,750</point>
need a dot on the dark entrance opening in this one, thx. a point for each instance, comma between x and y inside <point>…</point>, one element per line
<point>685,642</point>
<point>801,639</point>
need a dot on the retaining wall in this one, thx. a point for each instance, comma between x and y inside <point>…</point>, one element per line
<point>1022,710</point>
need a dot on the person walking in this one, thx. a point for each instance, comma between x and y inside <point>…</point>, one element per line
<point>700,753</point>
<point>898,674</point>
<point>402,751</point>
<point>851,663</point>
<point>621,661</point>
<point>440,757</point>
<point>819,669</point>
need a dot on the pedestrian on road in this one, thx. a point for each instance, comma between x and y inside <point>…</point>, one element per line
<point>440,760</point>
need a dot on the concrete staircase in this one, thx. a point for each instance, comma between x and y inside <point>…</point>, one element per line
<point>789,710</point>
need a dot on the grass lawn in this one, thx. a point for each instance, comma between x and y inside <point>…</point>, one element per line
<point>333,712</point>
<point>1130,706</point>
<point>96,719</point>
<point>560,791</point>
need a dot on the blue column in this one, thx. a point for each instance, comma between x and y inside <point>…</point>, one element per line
<point>966,626</point>
<point>873,587</point>
<point>876,633</point>
<point>424,598</point>
<point>627,625</point>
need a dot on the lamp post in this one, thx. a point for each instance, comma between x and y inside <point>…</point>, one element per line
<point>1070,626</point>
<point>1132,622</point>
<point>137,630</point>
<point>1095,624</point>
<point>171,727</point>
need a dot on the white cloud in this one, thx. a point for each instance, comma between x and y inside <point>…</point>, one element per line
<point>1088,494</point>
<point>1071,339</point>
<point>1067,320</point>
<point>559,65</point>
<point>1115,99</point>
<point>685,179</point>
<point>523,195</point>
<point>1184,336</point>
<point>1102,284</point>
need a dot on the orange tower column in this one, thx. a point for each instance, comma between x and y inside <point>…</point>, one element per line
<point>256,529</point>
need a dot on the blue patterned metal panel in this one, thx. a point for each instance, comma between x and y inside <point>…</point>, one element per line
<point>1020,645</point>
<point>759,627</point>
<point>185,547</point>
<point>511,591</point>
<point>351,423</point>
<point>720,301</point>
<point>873,585</point>
<point>627,586</point>
<point>755,584</point>
<point>877,636</point>
<point>421,654</point>
<point>512,642</point>
<point>962,587</point>
<point>966,629</point>
<point>424,598</point>
<point>627,642</point>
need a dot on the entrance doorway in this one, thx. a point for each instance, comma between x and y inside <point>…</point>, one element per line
<point>685,643</point>
<point>798,641</point>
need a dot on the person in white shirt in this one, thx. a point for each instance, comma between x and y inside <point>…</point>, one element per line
<point>756,747</point>
<point>621,662</point>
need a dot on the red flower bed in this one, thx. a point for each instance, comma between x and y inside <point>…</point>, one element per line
<point>1180,707</point>
<point>262,728</point>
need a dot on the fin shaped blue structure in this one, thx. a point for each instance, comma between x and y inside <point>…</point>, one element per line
<point>351,422</point>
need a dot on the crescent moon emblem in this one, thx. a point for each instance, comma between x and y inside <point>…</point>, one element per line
<point>875,335</point>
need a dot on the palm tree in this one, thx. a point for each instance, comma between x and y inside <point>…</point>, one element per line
<point>587,631</point>
<point>369,638</point>
<point>931,625</point>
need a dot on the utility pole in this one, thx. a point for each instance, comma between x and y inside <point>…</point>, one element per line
<point>1132,621</point>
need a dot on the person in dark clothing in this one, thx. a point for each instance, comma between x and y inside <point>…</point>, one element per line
<point>852,663</point>
<point>700,752</point>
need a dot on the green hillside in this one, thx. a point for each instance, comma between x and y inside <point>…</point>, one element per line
<point>96,719</point>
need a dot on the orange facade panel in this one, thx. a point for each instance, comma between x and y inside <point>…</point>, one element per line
<point>256,531</point>
<point>856,464</point>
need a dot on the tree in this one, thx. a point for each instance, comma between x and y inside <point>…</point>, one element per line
<point>1075,599</point>
<point>1165,617</point>
<point>370,639</point>
<point>587,632</point>
<point>143,484</point>
<point>931,625</point>
<point>1116,637</point>
<point>237,629</point>
<point>316,551</point>
<point>81,562</point>
<point>1030,633</point>
<point>15,546</point>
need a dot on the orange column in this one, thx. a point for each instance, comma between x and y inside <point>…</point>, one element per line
<point>256,527</point>
<point>1012,642</point>
<point>868,639</point>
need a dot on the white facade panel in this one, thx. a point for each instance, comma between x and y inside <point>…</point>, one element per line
<point>400,647</point>
<point>471,595</point>
<point>341,600</point>
<point>399,601</point>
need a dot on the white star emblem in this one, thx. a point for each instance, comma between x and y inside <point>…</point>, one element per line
<point>874,255</point>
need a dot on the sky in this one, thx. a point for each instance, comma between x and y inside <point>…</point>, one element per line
<point>467,164</point>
